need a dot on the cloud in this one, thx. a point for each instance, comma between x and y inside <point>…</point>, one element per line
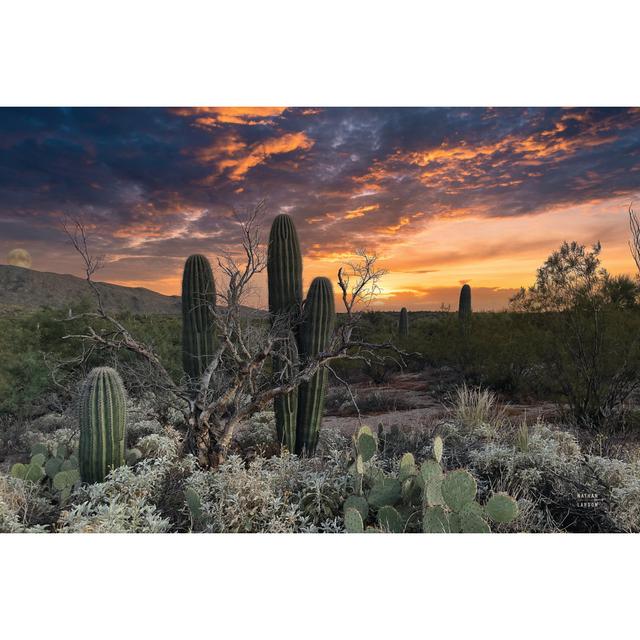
<point>217,116</point>
<point>434,191</point>
<point>262,151</point>
<point>232,156</point>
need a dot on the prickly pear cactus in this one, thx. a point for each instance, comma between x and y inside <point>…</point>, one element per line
<point>393,504</point>
<point>502,508</point>
<point>55,467</point>
<point>458,489</point>
<point>366,443</point>
<point>31,472</point>
<point>360,504</point>
<point>450,504</point>
<point>390,520</point>
<point>438,449</point>
<point>353,521</point>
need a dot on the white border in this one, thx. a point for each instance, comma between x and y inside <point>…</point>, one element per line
<point>337,52</point>
<point>331,586</point>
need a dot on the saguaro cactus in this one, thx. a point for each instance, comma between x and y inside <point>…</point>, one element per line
<point>198,303</point>
<point>403,325</point>
<point>102,416</point>
<point>284,267</point>
<point>284,274</point>
<point>464,308</point>
<point>316,328</point>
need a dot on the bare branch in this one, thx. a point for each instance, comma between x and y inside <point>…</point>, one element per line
<point>634,243</point>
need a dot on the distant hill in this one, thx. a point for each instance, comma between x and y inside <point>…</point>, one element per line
<point>22,288</point>
<point>29,289</point>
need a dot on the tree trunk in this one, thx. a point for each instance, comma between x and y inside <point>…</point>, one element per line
<point>200,442</point>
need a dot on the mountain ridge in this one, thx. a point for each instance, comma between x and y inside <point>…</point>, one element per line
<point>22,288</point>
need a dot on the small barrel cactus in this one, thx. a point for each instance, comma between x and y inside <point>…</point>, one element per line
<point>102,416</point>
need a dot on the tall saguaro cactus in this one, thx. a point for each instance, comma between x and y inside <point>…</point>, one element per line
<point>284,274</point>
<point>102,416</point>
<point>316,329</point>
<point>284,267</point>
<point>464,308</point>
<point>403,324</point>
<point>198,303</point>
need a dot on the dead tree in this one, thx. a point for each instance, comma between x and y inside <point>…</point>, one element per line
<point>235,385</point>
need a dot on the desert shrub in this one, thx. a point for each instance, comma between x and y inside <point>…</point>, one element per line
<point>147,498</point>
<point>381,401</point>
<point>275,495</point>
<point>138,429</point>
<point>570,491</point>
<point>380,372</point>
<point>338,400</point>
<point>395,441</point>
<point>368,400</point>
<point>103,515</point>
<point>11,435</point>
<point>23,508</point>
<point>17,436</point>
<point>332,445</point>
<point>68,437</point>
<point>24,382</point>
<point>160,445</point>
<point>258,434</point>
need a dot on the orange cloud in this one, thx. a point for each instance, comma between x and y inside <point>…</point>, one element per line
<point>216,116</point>
<point>260,153</point>
<point>225,145</point>
<point>231,153</point>
<point>360,211</point>
<point>391,230</point>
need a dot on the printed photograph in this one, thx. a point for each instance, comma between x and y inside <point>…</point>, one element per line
<point>387,320</point>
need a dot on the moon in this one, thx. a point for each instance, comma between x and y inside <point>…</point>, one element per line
<point>19,258</point>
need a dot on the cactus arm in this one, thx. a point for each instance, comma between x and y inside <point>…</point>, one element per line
<point>316,328</point>
<point>198,303</point>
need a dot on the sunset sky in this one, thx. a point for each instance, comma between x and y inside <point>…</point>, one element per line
<point>443,196</point>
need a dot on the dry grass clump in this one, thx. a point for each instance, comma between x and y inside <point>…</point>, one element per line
<point>477,409</point>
